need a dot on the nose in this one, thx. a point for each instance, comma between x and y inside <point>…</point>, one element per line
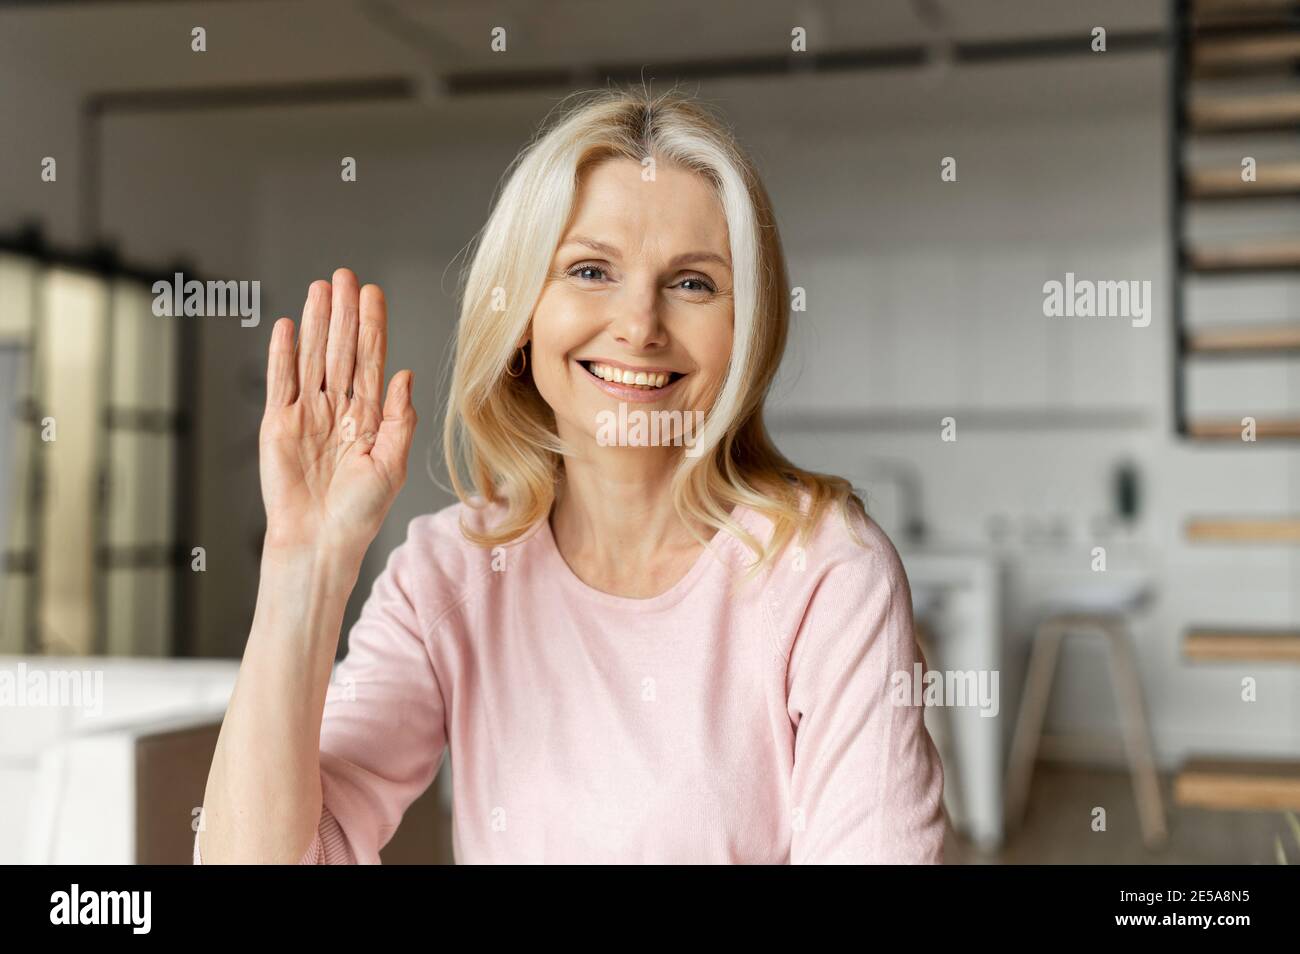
<point>635,321</point>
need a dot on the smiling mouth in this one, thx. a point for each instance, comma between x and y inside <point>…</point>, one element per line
<point>625,377</point>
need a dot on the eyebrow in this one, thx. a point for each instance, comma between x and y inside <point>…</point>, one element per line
<point>678,260</point>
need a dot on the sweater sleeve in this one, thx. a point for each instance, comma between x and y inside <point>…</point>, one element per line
<point>867,783</point>
<point>383,735</point>
<point>328,846</point>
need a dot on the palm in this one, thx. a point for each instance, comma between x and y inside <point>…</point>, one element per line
<point>333,451</point>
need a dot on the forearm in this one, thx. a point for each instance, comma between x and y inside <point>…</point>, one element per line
<point>263,797</point>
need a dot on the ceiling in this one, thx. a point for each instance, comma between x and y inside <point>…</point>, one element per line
<point>119,45</point>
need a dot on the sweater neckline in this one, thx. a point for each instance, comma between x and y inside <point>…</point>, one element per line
<point>560,570</point>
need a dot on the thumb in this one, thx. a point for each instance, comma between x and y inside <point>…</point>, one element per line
<point>393,442</point>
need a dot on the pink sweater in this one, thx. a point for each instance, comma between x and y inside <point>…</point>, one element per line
<point>722,721</point>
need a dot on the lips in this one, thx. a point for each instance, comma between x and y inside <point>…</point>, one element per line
<point>632,376</point>
<point>633,384</point>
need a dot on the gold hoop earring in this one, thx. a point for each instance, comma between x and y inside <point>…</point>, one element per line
<point>510,368</point>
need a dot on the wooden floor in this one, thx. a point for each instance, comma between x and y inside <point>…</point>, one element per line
<point>1057,828</point>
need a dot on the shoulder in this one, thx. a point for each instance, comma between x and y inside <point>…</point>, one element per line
<point>437,565</point>
<point>844,568</point>
<point>842,539</point>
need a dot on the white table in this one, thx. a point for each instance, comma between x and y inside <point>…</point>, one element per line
<point>67,772</point>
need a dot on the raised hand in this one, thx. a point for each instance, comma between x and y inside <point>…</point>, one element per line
<point>333,448</point>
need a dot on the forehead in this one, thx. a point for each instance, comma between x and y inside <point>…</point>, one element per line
<point>615,204</point>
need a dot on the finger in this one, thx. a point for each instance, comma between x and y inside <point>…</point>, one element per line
<point>281,373</point>
<point>341,352</point>
<point>393,443</point>
<point>311,338</point>
<point>372,343</point>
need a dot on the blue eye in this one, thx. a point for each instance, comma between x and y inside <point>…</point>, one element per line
<point>577,270</point>
<point>704,285</point>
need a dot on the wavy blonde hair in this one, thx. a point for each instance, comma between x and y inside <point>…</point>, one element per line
<point>499,435</point>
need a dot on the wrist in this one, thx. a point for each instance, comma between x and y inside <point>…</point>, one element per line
<point>316,542</point>
<point>319,566</point>
<point>305,591</point>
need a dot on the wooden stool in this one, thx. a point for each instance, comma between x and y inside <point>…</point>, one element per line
<point>1112,625</point>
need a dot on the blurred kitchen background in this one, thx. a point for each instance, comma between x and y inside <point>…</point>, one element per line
<point>1098,512</point>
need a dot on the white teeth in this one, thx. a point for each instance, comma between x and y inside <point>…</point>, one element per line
<point>645,379</point>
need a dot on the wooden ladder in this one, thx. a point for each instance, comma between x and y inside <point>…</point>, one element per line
<point>1218,39</point>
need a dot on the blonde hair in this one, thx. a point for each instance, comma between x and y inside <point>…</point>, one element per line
<point>499,435</point>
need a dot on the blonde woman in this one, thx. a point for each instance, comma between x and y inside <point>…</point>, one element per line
<point>632,650</point>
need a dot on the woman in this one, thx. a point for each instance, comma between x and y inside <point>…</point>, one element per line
<point>676,649</point>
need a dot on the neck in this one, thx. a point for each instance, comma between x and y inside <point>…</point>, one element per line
<point>615,524</point>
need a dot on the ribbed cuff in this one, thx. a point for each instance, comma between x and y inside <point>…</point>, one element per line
<point>329,846</point>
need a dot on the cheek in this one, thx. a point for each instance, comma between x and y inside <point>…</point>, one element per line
<point>562,321</point>
<point>709,344</point>
<point>719,343</point>
<point>561,324</point>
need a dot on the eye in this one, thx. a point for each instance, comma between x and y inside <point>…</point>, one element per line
<point>700,283</point>
<point>582,271</point>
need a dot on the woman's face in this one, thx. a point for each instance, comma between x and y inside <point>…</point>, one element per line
<point>640,285</point>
